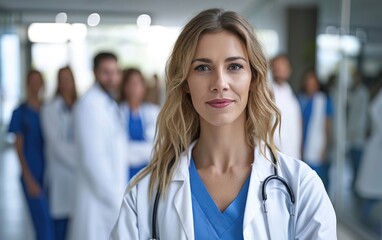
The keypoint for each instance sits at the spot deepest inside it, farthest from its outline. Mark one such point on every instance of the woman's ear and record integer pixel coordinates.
(186, 88)
(251, 85)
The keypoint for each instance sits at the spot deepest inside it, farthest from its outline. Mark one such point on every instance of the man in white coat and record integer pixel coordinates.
(289, 140)
(101, 143)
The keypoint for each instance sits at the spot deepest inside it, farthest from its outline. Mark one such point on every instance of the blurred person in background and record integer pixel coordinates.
(290, 138)
(317, 113)
(331, 90)
(154, 91)
(139, 119)
(25, 124)
(101, 142)
(57, 124)
(358, 101)
(369, 181)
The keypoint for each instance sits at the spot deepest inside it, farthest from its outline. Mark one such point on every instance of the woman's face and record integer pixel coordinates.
(135, 88)
(219, 78)
(66, 82)
(35, 84)
(311, 84)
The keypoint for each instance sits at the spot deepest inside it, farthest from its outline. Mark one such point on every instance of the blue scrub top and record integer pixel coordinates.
(306, 104)
(136, 133)
(209, 222)
(26, 122)
(135, 127)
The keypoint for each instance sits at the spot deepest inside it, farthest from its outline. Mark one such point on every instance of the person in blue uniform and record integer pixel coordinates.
(139, 118)
(25, 124)
(317, 113)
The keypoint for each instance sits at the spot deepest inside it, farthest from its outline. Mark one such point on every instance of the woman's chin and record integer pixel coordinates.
(221, 121)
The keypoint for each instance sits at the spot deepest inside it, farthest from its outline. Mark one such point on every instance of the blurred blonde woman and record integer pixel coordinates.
(214, 149)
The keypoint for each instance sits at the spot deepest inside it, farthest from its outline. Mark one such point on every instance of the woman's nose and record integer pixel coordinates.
(219, 82)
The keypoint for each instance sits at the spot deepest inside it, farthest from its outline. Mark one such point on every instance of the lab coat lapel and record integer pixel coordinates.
(111, 106)
(254, 224)
(182, 198)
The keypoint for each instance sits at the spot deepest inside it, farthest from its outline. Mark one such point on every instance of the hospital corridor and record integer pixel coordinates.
(259, 119)
(15, 221)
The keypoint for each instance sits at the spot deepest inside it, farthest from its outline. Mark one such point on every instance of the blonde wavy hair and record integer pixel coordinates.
(178, 121)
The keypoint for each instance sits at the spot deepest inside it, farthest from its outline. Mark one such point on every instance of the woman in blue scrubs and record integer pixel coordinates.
(140, 119)
(317, 114)
(25, 124)
(213, 147)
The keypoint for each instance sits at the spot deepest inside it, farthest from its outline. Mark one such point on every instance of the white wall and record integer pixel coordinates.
(270, 15)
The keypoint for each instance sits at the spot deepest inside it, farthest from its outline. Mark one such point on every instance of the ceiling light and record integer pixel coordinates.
(49, 32)
(143, 20)
(61, 17)
(94, 19)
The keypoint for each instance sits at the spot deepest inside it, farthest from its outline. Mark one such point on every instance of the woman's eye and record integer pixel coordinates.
(202, 68)
(235, 67)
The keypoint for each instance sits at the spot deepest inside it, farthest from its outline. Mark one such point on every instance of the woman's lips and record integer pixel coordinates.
(220, 103)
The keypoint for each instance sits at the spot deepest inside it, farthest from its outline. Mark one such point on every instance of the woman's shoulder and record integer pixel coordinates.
(138, 187)
(53, 103)
(21, 107)
(295, 170)
(150, 106)
(18, 113)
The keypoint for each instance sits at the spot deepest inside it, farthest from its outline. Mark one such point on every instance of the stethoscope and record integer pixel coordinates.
(274, 176)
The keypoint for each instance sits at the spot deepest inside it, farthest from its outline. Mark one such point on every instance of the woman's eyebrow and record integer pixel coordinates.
(230, 59)
(205, 60)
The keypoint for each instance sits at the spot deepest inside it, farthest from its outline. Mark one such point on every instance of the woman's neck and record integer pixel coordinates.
(34, 102)
(223, 147)
(134, 105)
(68, 99)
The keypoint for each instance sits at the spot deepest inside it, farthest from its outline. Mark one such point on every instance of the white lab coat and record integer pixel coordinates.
(140, 151)
(101, 177)
(316, 133)
(369, 182)
(290, 138)
(61, 156)
(315, 217)
(358, 101)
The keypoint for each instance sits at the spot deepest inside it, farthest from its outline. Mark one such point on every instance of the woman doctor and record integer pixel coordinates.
(211, 157)
(26, 125)
(57, 124)
(139, 119)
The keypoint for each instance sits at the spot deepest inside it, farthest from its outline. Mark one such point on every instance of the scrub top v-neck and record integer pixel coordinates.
(135, 129)
(209, 222)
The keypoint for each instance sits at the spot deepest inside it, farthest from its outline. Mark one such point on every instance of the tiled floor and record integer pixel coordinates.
(344, 234)
(14, 219)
